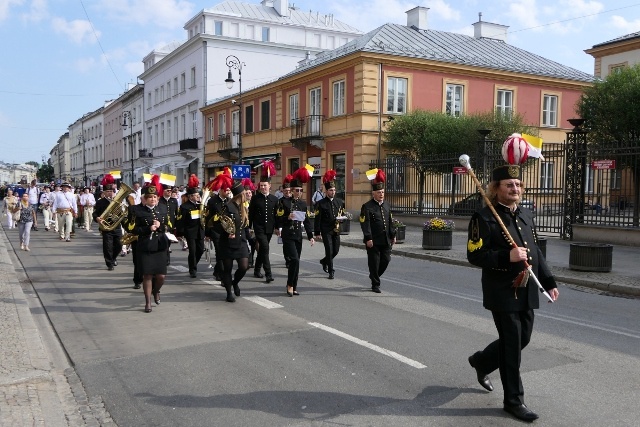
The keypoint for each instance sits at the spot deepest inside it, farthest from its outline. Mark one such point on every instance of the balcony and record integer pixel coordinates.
(189, 144)
(145, 153)
(307, 130)
(228, 146)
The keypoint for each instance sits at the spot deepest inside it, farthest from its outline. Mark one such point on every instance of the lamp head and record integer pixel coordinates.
(229, 80)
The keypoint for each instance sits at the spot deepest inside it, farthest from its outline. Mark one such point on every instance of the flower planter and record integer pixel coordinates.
(401, 233)
(437, 239)
(345, 227)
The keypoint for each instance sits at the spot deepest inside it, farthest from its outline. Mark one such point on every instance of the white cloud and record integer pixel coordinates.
(561, 17)
(38, 11)
(5, 5)
(162, 13)
(626, 27)
(78, 31)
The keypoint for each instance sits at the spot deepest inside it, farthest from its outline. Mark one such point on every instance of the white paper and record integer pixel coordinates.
(171, 237)
(299, 215)
(341, 218)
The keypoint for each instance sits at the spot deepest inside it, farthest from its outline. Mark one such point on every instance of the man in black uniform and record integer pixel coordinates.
(291, 217)
(172, 210)
(262, 217)
(511, 307)
(190, 227)
(328, 209)
(379, 235)
(215, 206)
(111, 245)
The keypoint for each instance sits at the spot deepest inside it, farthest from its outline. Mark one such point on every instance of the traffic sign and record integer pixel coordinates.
(240, 171)
(603, 164)
(459, 170)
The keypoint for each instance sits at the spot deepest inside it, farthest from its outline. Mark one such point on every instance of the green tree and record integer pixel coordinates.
(45, 173)
(32, 163)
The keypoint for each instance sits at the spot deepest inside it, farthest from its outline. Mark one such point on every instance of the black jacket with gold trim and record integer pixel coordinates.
(326, 212)
(488, 247)
(188, 222)
(375, 222)
(140, 221)
(291, 229)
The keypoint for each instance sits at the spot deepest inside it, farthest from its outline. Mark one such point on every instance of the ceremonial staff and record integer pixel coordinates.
(528, 272)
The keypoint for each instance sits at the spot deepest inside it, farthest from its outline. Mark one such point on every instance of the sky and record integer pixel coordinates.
(60, 59)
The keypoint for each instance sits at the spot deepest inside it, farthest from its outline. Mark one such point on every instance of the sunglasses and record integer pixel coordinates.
(298, 190)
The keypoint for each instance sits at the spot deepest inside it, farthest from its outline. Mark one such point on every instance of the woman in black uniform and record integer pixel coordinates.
(150, 224)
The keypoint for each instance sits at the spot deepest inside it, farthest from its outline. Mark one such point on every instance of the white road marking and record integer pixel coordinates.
(370, 346)
(180, 268)
(262, 302)
(212, 282)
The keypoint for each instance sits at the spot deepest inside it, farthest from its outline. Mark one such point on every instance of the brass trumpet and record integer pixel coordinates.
(128, 238)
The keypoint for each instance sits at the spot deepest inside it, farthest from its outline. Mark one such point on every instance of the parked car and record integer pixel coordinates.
(466, 206)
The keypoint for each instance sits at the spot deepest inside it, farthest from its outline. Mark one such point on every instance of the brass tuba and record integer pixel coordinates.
(116, 212)
(204, 212)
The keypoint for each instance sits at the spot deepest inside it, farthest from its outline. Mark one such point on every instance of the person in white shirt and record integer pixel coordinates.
(54, 216)
(88, 201)
(45, 203)
(34, 195)
(137, 193)
(64, 204)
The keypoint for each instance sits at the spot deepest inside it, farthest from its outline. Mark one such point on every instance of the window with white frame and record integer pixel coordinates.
(550, 110)
(183, 82)
(504, 103)
(616, 179)
(175, 86)
(150, 137)
(266, 31)
(338, 98)
(546, 176)
(194, 124)
(210, 130)
(447, 183)
(168, 95)
(222, 124)
(293, 108)
(396, 95)
(161, 93)
(156, 135)
(162, 141)
(193, 77)
(218, 28)
(183, 120)
(169, 135)
(155, 97)
(455, 100)
(177, 129)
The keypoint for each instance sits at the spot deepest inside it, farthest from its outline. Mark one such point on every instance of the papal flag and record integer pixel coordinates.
(147, 177)
(166, 179)
(535, 146)
(115, 174)
(309, 169)
(371, 173)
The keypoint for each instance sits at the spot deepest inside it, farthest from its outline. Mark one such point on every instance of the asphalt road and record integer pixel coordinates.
(336, 355)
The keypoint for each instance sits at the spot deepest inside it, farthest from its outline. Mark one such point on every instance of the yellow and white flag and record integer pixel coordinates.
(535, 146)
(309, 168)
(147, 177)
(166, 179)
(371, 173)
(115, 174)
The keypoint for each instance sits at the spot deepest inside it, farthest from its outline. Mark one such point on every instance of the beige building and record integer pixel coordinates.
(614, 54)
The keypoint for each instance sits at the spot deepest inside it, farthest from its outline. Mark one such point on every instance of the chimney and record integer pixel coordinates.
(417, 17)
(482, 29)
(282, 7)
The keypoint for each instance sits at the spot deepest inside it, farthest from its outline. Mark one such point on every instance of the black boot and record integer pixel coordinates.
(230, 297)
(236, 288)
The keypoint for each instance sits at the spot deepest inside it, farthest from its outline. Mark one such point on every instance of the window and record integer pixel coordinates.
(250, 32)
(338, 162)
(546, 176)
(265, 34)
(193, 77)
(194, 124)
(155, 99)
(454, 100)
(293, 108)
(183, 121)
(161, 142)
(161, 93)
(616, 179)
(222, 124)
(177, 129)
(217, 28)
(235, 128)
(133, 117)
(395, 174)
(169, 140)
(396, 95)
(294, 165)
(447, 183)
(149, 99)
(338, 98)
(150, 137)
(550, 110)
(183, 82)
(168, 96)
(504, 103)
(210, 130)
(155, 137)
(265, 114)
(248, 119)
(175, 86)
(315, 108)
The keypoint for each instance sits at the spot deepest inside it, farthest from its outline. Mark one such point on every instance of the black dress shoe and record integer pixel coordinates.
(236, 289)
(156, 296)
(325, 268)
(483, 379)
(110, 267)
(289, 293)
(115, 262)
(192, 273)
(331, 274)
(521, 412)
(269, 278)
(258, 274)
(137, 286)
(230, 297)
(376, 289)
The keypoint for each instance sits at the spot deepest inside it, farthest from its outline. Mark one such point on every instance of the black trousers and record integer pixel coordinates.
(262, 260)
(378, 258)
(514, 333)
(218, 269)
(291, 249)
(111, 246)
(331, 242)
(137, 275)
(196, 249)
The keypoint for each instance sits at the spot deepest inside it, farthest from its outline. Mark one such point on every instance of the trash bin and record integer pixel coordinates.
(591, 257)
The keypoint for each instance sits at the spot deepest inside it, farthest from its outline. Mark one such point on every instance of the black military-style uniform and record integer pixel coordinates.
(131, 217)
(291, 234)
(512, 308)
(215, 205)
(190, 228)
(172, 211)
(235, 248)
(151, 256)
(111, 245)
(327, 210)
(375, 221)
(262, 219)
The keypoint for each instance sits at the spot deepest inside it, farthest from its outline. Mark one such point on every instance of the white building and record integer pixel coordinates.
(60, 159)
(17, 173)
(86, 138)
(268, 38)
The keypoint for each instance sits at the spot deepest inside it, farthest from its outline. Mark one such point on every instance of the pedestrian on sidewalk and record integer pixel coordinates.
(25, 221)
(9, 205)
(326, 224)
(379, 235)
(511, 302)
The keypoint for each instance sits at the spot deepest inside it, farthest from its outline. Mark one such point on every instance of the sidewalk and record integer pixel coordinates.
(37, 385)
(624, 277)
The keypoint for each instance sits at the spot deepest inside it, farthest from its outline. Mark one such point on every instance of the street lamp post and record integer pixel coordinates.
(234, 62)
(127, 115)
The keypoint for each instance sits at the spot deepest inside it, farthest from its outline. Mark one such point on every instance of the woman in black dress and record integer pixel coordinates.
(150, 223)
(233, 244)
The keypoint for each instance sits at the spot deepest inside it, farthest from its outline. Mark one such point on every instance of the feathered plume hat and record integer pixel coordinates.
(328, 179)
(515, 151)
(108, 182)
(268, 170)
(222, 181)
(153, 187)
(301, 177)
(286, 182)
(377, 180)
(192, 184)
(248, 184)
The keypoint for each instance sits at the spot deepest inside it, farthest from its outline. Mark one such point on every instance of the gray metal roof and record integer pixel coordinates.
(258, 12)
(442, 46)
(619, 39)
